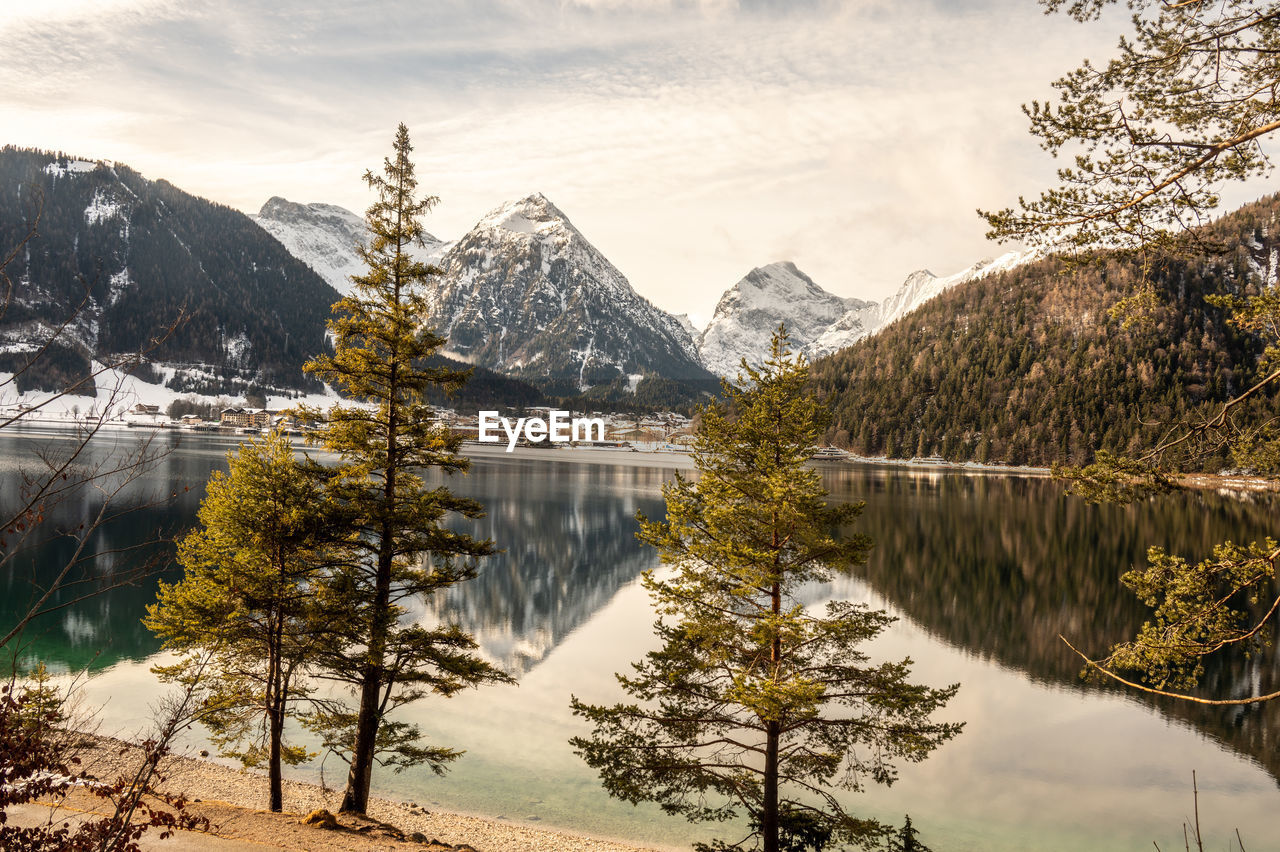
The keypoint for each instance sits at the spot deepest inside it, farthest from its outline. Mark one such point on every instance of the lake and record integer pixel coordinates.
(984, 572)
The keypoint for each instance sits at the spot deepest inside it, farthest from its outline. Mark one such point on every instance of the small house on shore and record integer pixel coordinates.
(253, 418)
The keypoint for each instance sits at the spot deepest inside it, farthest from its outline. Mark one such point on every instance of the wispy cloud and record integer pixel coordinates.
(690, 139)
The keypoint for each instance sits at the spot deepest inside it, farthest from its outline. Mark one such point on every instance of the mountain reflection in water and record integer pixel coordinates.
(567, 532)
(996, 566)
(1002, 566)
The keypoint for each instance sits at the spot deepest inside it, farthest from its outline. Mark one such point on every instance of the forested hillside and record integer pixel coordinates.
(484, 389)
(146, 253)
(1027, 367)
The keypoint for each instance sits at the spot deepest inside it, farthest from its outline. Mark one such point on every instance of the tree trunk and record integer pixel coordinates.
(276, 722)
(277, 686)
(355, 800)
(769, 807)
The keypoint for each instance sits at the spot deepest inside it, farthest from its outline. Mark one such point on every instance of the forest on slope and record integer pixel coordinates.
(124, 258)
(1029, 367)
(148, 255)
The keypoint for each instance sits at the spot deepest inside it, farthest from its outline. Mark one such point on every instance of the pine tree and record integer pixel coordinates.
(907, 839)
(1156, 130)
(755, 705)
(385, 437)
(243, 608)
(1182, 109)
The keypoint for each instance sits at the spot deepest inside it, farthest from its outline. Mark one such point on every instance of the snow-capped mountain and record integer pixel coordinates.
(749, 312)
(324, 236)
(819, 322)
(920, 287)
(121, 259)
(525, 293)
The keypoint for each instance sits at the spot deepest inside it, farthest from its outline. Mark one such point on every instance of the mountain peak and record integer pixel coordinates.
(781, 277)
(749, 312)
(533, 214)
(275, 205)
(526, 293)
(786, 266)
(278, 209)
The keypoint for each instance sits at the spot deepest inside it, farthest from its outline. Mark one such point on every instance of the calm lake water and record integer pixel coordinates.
(984, 572)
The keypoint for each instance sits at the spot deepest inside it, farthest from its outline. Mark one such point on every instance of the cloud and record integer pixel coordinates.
(690, 140)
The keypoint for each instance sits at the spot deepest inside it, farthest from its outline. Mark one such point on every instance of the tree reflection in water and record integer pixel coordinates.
(1001, 566)
(997, 566)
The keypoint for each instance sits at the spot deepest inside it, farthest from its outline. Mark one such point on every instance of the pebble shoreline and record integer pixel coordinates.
(206, 781)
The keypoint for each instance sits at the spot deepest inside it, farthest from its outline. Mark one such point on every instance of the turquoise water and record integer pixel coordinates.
(984, 571)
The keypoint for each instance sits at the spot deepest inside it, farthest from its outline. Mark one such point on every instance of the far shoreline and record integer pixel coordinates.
(474, 449)
(637, 457)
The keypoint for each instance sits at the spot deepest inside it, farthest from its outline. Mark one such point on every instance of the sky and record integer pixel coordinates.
(689, 140)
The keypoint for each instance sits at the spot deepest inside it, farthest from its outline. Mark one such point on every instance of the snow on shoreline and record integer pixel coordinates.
(121, 392)
(118, 392)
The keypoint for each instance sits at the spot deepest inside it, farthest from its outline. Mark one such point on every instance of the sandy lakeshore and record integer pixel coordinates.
(233, 799)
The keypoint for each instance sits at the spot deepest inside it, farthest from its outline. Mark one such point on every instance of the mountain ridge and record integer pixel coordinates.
(325, 236)
(1025, 366)
(818, 322)
(124, 257)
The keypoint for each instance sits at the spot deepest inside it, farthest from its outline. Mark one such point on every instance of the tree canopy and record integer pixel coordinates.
(1154, 132)
(755, 705)
(1180, 110)
(243, 614)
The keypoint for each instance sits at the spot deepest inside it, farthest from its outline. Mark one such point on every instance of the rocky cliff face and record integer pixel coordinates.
(525, 293)
(325, 236)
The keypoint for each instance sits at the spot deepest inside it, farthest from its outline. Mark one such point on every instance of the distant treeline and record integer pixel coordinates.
(1027, 367)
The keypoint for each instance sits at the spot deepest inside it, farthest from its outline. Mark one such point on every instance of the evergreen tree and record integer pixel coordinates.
(1156, 130)
(381, 359)
(1180, 110)
(243, 608)
(907, 839)
(755, 705)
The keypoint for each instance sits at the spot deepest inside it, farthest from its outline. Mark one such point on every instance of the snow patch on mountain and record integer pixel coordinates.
(104, 206)
(62, 168)
(117, 284)
(325, 236)
(238, 348)
(749, 312)
(118, 391)
(920, 287)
